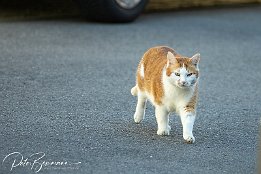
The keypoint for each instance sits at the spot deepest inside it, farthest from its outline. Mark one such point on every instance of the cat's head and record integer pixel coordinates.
(182, 71)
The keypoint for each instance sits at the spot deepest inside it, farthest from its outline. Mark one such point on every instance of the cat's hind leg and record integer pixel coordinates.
(134, 90)
(141, 106)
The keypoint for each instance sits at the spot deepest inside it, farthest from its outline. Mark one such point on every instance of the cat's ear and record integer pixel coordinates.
(171, 59)
(195, 59)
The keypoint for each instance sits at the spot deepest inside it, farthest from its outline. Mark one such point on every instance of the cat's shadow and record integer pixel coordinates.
(147, 131)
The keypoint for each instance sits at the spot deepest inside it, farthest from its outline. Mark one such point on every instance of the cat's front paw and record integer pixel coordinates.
(138, 117)
(189, 139)
(164, 132)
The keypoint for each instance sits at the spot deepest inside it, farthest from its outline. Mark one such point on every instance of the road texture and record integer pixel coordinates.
(66, 105)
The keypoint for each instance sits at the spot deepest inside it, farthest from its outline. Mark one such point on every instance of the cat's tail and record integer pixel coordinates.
(134, 91)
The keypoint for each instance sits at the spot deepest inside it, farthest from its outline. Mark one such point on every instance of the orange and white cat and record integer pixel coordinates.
(170, 82)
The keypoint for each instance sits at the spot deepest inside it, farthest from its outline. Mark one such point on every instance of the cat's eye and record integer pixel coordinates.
(189, 74)
(177, 74)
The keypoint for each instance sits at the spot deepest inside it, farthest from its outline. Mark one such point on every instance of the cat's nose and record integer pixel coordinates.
(183, 82)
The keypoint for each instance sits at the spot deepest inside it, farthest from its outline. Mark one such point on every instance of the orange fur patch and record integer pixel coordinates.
(191, 106)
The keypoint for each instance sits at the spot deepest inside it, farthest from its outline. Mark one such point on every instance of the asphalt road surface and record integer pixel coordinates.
(66, 107)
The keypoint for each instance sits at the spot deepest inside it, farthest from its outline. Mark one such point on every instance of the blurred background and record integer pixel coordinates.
(61, 8)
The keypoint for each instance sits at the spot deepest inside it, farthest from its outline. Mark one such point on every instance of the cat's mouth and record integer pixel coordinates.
(183, 85)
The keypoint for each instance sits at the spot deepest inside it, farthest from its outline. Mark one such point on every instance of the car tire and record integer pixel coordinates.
(112, 10)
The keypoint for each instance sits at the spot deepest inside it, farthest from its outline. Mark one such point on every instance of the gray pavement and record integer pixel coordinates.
(65, 93)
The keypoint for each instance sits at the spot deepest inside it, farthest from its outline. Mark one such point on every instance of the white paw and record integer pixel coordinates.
(189, 139)
(138, 118)
(164, 131)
